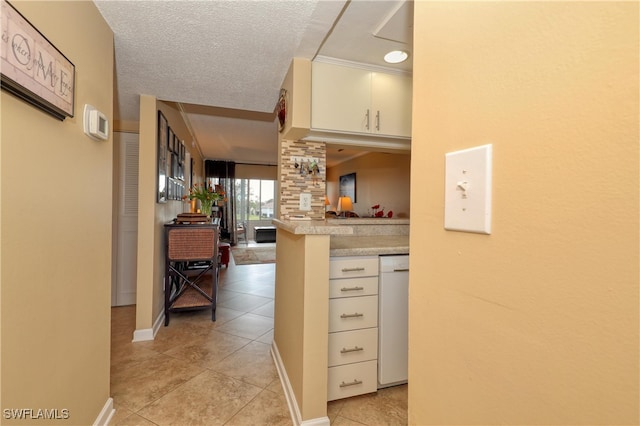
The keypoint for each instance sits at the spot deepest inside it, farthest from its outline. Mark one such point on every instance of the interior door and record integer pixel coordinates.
(127, 220)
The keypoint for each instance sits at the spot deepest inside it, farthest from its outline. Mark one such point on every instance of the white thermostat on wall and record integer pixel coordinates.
(96, 125)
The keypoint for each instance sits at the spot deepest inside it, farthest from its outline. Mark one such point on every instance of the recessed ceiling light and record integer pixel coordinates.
(396, 56)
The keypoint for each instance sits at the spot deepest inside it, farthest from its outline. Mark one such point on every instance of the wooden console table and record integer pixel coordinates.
(191, 268)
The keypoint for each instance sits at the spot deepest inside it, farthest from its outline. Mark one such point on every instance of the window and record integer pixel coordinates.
(255, 199)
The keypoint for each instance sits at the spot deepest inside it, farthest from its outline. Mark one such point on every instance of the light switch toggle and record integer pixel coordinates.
(463, 186)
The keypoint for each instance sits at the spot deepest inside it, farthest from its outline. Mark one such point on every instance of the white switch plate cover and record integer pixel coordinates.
(467, 204)
(305, 201)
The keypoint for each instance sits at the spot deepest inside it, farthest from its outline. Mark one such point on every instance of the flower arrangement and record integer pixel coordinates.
(207, 196)
(379, 212)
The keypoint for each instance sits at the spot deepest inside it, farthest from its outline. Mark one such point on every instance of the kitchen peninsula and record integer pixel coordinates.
(301, 326)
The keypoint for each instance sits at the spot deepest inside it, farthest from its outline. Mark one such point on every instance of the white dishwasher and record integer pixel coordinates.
(393, 320)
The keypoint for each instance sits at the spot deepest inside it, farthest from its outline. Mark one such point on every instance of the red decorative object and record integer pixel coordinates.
(377, 211)
(281, 109)
(224, 248)
(390, 214)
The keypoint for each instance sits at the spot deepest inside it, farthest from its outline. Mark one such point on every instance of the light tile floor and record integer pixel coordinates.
(200, 372)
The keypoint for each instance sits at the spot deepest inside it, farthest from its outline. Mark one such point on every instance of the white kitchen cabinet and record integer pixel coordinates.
(353, 287)
(353, 326)
(357, 100)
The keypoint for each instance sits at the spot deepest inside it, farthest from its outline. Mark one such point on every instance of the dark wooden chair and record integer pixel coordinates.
(241, 232)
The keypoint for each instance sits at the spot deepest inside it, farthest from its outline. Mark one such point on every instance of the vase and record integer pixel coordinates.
(205, 207)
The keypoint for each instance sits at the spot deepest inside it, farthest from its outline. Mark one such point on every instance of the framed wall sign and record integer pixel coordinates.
(32, 68)
(348, 186)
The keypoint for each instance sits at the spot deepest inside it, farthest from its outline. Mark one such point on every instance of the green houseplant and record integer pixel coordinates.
(206, 195)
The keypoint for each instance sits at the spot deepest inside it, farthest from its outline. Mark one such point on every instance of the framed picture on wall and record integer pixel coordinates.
(348, 186)
(33, 69)
(163, 137)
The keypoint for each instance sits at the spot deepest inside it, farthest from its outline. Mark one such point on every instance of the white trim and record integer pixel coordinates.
(377, 142)
(368, 67)
(106, 414)
(320, 421)
(294, 410)
(146, 334)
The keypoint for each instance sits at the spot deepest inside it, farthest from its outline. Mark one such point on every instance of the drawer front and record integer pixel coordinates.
(353, 287)
(347, 347)
(352, 379)
(353, 266)
(352, 313)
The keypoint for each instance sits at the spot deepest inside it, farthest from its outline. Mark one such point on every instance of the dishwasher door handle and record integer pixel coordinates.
(401, 270)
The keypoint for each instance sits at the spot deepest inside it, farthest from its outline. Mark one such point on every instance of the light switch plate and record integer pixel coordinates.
(305, 201)
(467, 204)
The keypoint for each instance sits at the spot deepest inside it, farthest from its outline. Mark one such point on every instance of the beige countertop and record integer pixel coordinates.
(368, 221)
(345, 242)
(368, 245)
(311, 227)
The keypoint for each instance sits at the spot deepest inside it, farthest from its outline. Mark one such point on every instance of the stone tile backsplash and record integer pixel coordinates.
(296, 180)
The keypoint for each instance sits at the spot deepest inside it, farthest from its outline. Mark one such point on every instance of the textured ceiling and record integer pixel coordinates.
(222, 62)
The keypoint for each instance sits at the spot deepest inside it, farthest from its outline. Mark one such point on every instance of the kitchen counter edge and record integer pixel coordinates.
(311, 227)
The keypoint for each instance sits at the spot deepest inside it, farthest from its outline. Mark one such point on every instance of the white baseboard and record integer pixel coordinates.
(294, 410)
(320, 421)
(149, 333)
(106, 414)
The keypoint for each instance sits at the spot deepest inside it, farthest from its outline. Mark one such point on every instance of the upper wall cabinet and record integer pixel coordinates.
(357, 100)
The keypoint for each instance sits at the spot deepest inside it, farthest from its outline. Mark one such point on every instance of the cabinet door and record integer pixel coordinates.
(340, 98)
(352, 313)
(353, 267)
(391, 104)
(347, 347)
(350, 287)
(352, 379)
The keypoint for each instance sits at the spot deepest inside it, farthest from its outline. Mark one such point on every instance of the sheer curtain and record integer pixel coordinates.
(224, 172)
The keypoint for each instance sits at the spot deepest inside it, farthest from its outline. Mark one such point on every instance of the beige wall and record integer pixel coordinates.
(301, 328)
(56, 231)
(152, 215)
(538, 322)
(381, 178)
(255, 171)
(297, 83)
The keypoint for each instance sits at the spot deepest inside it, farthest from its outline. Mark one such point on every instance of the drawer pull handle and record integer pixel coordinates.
(355, 382)
(354, 349)
(352, 288)
(356, 315)
(401, 270)
(360, 268)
